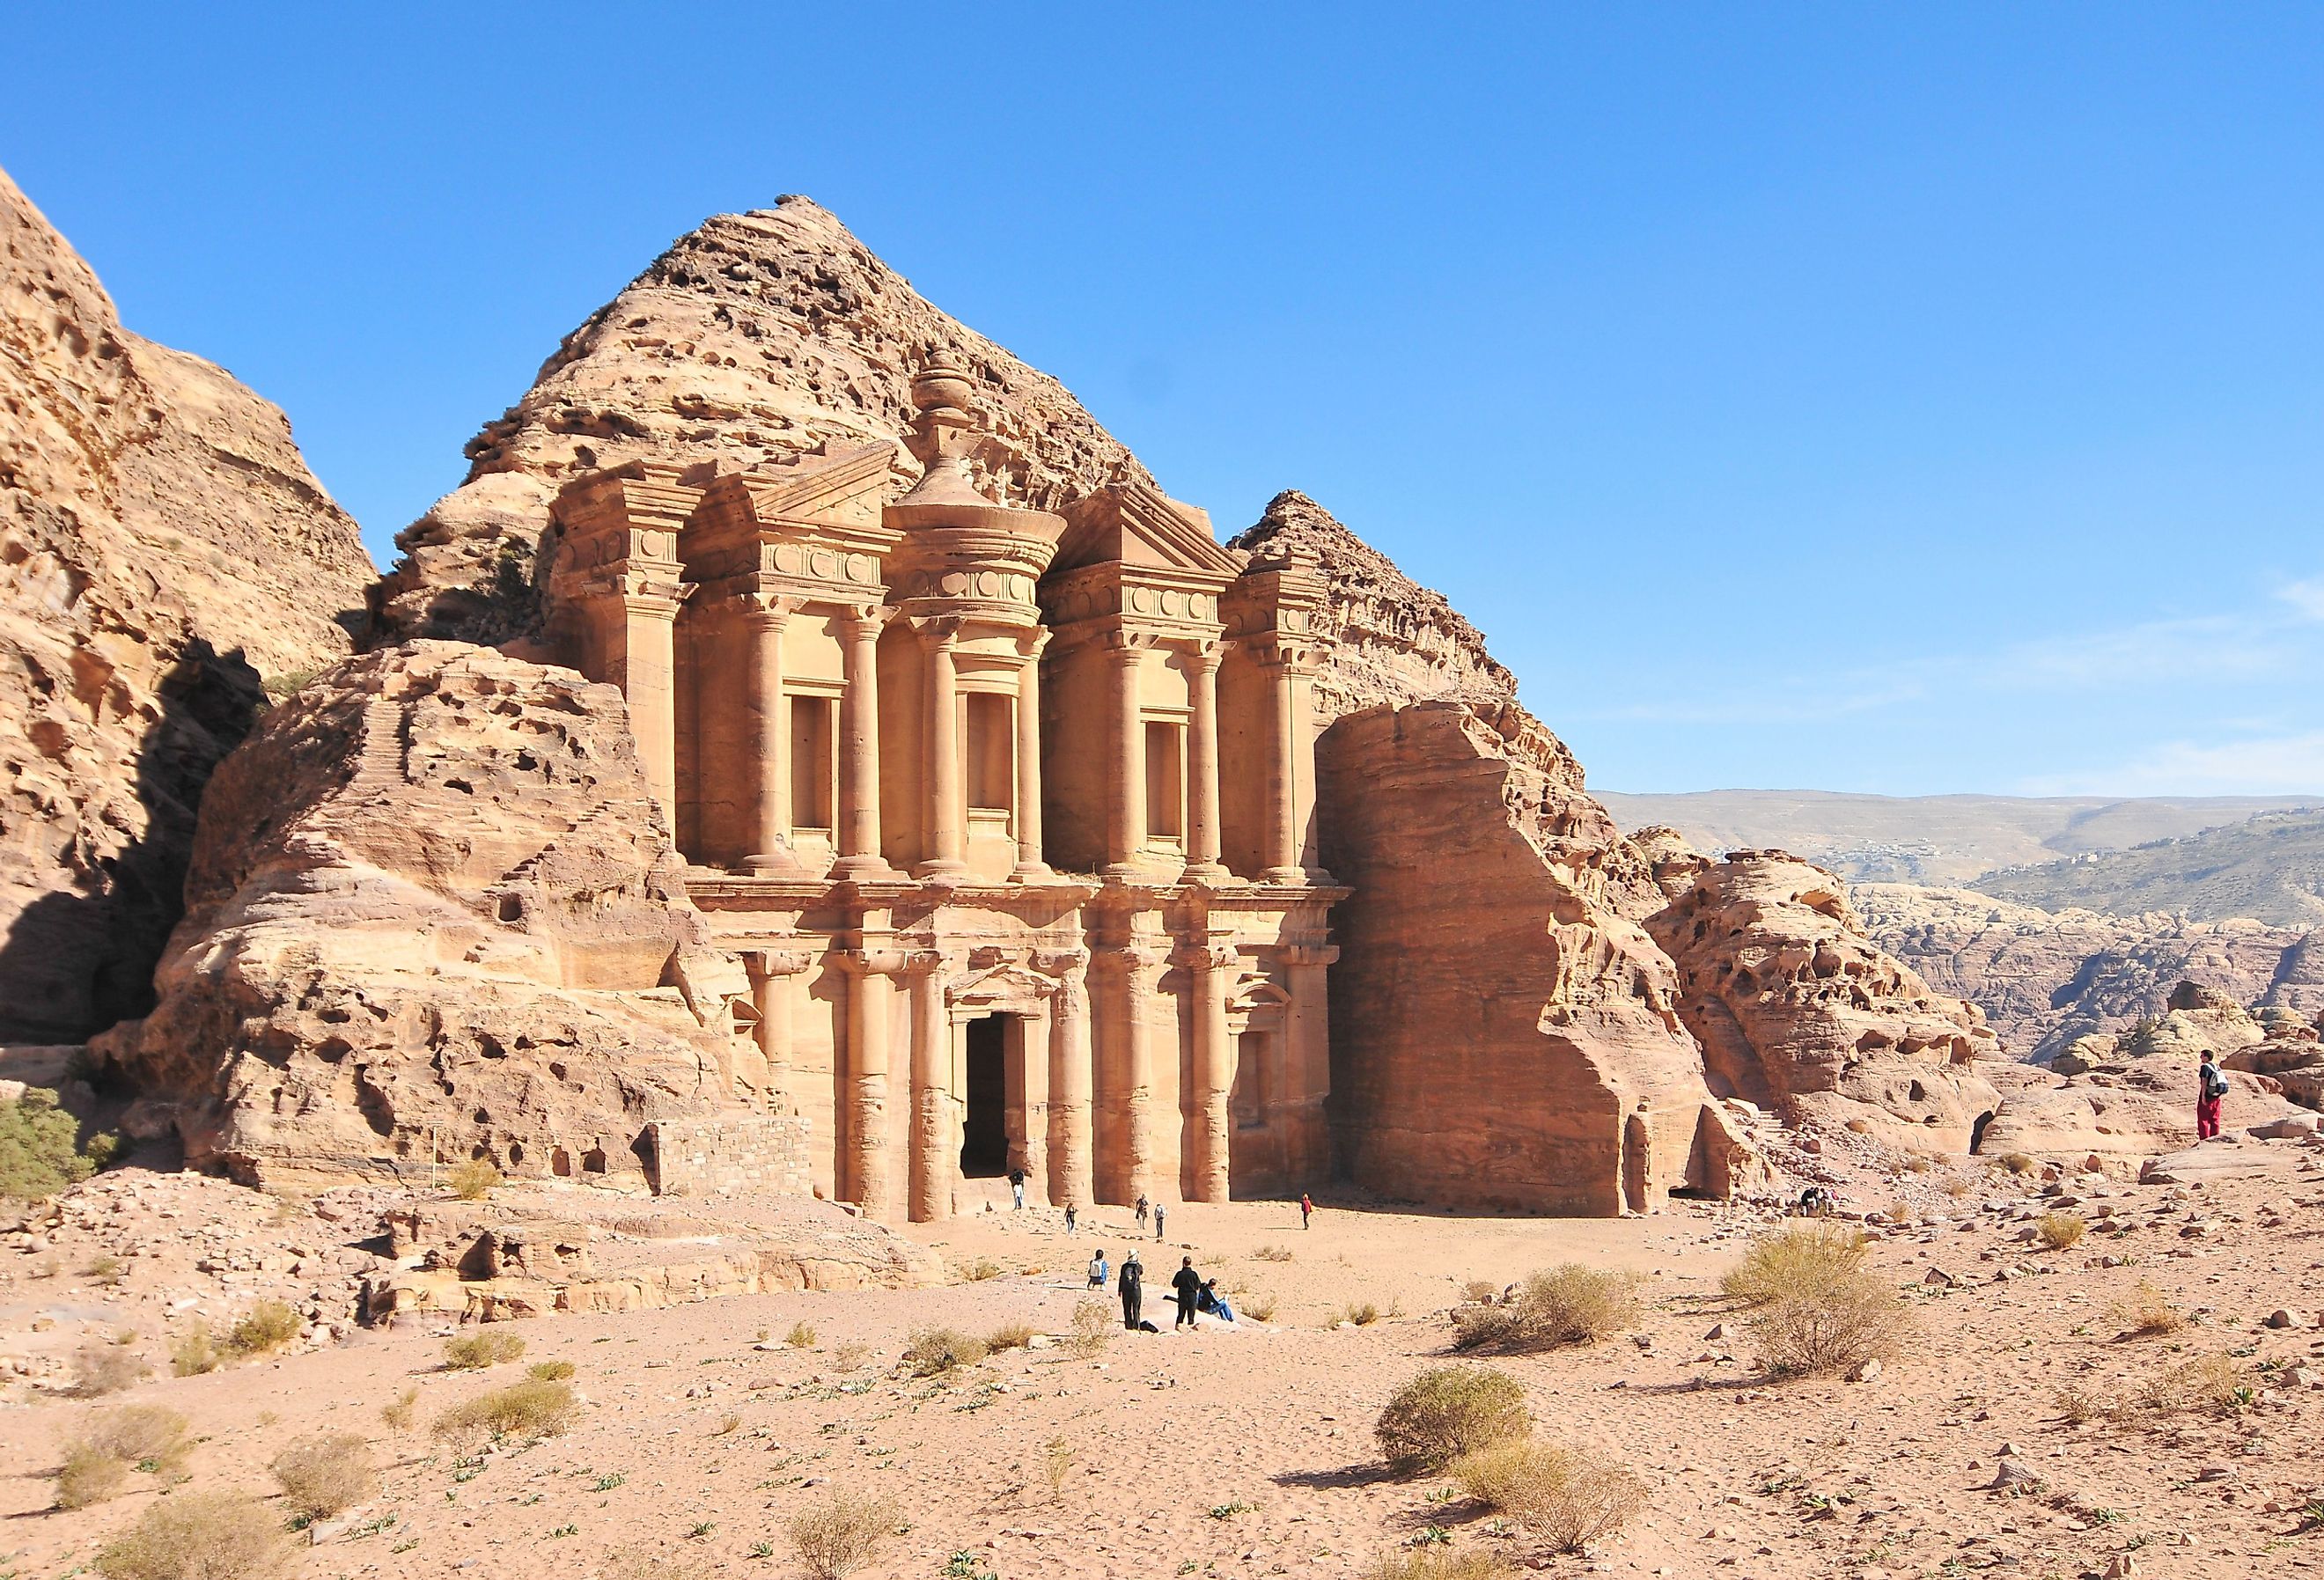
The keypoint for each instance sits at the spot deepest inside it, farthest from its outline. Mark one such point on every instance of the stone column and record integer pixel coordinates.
(1070, 1177)
(859, 751)
(1211, 965)
(649, 684)
(1305, 832)
(869, 1173)
(1280, 851)
(1137, 1167)
(1125, 822)
(935, 1154)
(1203, 768)
(1307, 1060)
(1029, 1106)
(772, 971)
(769, 834)
(947, 855)
(1030, 868)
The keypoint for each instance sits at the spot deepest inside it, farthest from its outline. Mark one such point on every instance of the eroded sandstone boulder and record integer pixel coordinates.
(165, 559)
(757, 337)
(1797, 1011)
(433, 913)
(1501, 1036)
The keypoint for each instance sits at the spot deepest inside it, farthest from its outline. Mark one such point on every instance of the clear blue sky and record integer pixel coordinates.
(1869, 397)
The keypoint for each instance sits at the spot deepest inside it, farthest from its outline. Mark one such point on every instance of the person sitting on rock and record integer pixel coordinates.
(2210, 1088)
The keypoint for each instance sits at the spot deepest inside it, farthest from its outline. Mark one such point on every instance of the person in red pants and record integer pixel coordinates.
(2210, 1086)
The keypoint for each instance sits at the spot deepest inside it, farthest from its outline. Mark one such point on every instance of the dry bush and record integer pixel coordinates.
(322, 1475)
(1567, 1305)
(1448, 1411)
(101, 1369)
(550, 1371)
(1009, 1335)
(1437, 1563)
(640, 1562)
(2216, 1385)
(1363, 1314)
(1272, 1253)
(473, 1180)
(89, 1476)
(840, 1534)
(1092, 1328)
(1481, 1291)
(198, 1535)
(1058, 1458)
(851, 1354)
(2019, 1163)
(262, 1330)
(2078, 1405)
(1258, 1305)
(1831, 1328)
(2145, 1311)
(982, 1269)
(146, 1435)
(800, 1338)
(2060, 1230)
(1792, 1260)
(1570, 1498)
(476, 1351)
(937, 1350)
(399, 1414)
(521, 1409)
(728, 1424)
(193, 1351)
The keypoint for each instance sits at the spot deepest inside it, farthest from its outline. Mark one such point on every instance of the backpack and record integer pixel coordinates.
(2215, 1084)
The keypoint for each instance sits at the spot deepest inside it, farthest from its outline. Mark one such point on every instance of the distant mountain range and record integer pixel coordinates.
(1955, 841)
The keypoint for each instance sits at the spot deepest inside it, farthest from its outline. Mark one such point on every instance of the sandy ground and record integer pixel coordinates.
(1250, 1453)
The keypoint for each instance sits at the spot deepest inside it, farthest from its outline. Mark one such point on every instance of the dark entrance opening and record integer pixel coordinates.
(984, 1137)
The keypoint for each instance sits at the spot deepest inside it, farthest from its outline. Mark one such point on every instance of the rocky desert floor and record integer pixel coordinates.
(1250, 1452)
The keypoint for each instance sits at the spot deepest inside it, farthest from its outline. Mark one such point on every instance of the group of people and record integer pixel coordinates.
(1146, 1208)
(1194, 1293)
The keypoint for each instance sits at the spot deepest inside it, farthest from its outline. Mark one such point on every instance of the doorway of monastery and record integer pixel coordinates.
(984, 1133)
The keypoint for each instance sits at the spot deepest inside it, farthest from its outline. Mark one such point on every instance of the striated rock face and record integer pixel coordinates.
(163, 553)
(433, 912)
(758, 338)
(2045, 978)
(1797, 1011)
(1502, 1038)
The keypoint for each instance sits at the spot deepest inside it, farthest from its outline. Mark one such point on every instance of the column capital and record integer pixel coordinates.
(771, 608)
(859, 619)
(872, 962)
(1030, 644)
(1308, 954)
(1060, 963)
(1127, 647)
(1205, 954)
(1298, 654)
(1203, 657)
(936, 630)
(786, 961)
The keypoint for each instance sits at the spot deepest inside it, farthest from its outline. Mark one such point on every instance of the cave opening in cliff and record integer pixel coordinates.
(984, 1134)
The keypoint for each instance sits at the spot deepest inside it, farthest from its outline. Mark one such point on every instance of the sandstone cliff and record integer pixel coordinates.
(756, 337)
(433, 913)
(2045, 978)
(164, 552)
(1500, 1037)
(1797, 1011)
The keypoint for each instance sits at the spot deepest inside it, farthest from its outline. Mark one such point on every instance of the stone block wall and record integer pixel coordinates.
(729, 1152)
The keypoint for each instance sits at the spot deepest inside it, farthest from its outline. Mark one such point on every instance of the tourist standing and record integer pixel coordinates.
(1143, 1207)
(1307, 1210)
(1132, 1285)
(1097, 1270)
(1069, 1217)
(1157, 1220)
(1188, 1283)
(1017, 1186)
(2211, 1087)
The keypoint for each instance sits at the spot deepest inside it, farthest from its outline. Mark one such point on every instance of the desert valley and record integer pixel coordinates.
(610, 1048)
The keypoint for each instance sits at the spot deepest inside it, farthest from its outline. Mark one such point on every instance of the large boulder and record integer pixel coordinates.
(1797, 1011)
(166, 558)
(1501, 1036)
(433, 914)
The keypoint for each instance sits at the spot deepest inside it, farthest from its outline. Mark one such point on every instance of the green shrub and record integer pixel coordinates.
(1009, 1335)
(37, 1156)
(840, 1534)
(262, 1330)
(522, 1409)
(936, 1350)
(1571, 1498)
(1830, 1327)
(193, 1351)
(473, 1180)
(550, 1371)
(1448, 1411)
(146, 1435)
(1567, 1305)
(476, 1351)
(800, 1338)
(1804, 1256)
(89, 1476)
